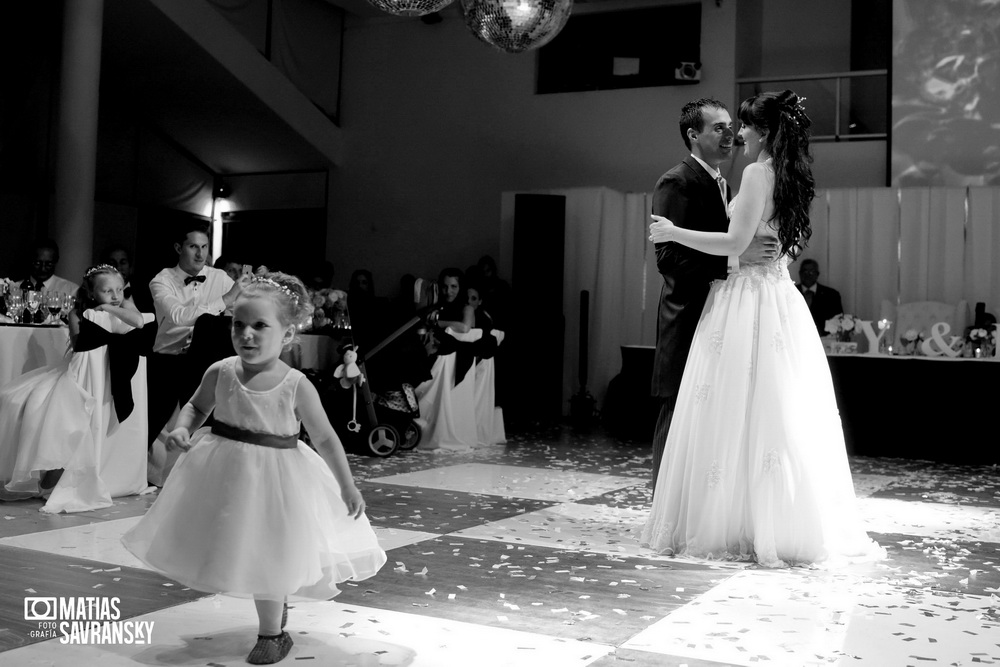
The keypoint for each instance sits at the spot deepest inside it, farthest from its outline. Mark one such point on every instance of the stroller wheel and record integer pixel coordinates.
(383, 441)
(411, 436)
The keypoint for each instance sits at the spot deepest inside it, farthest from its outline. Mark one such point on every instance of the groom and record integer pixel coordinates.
(693, 195)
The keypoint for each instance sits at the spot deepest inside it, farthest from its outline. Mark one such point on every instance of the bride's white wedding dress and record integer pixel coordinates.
(755, 466)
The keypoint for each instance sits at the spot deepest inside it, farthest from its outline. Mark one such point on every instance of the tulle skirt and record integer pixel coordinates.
(755, 466)
(248, 520)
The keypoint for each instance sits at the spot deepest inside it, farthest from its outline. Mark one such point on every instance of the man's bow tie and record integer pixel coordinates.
(193, 279)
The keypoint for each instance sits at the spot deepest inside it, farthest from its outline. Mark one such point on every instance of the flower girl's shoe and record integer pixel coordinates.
(269, 650)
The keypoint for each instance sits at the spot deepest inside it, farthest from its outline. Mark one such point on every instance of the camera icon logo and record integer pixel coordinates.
(40, 609)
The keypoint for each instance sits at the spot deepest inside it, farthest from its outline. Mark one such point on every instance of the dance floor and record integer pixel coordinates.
(525, 555)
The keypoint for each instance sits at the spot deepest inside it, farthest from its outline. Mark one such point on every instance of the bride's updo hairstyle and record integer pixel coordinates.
(287, 291)
(783, 120)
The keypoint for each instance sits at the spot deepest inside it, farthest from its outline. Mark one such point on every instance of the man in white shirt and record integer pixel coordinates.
(42, 271)
(182, 294)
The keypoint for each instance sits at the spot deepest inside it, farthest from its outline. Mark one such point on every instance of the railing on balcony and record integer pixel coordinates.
(843, 106)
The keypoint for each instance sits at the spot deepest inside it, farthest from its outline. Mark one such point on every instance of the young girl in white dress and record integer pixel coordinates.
(55, 421)
(249, 510)
(755, 466)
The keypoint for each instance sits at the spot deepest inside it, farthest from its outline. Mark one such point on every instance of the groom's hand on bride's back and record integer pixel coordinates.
(762, 249)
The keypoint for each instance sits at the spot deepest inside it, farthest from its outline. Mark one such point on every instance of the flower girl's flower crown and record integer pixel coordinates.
(276, 285)
(100, 268)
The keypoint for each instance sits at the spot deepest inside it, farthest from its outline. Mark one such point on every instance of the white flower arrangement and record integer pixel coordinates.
(911, 340)
(329, 310)
(842, 326)
(978, 335)
(981, 342)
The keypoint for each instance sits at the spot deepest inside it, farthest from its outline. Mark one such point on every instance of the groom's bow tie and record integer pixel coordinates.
(193, 279)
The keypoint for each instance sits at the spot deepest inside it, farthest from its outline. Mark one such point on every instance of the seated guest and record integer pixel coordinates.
(404, 306)
(485, 347)
(60, 436)
(138, 294)
(454, 311)
(369, 316)
(824, 302)
(447, 400)
(182, 294)
(494, 290)
(318, 275)
(489, 417)
(232, 268)
(482, 319)
(41, 273)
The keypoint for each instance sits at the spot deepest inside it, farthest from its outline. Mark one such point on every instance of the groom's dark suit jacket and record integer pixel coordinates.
(690, 198)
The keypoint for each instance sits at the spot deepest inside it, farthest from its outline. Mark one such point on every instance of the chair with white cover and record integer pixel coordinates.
(65, 417)
(489, 417)
(922, 315)
(447, 410)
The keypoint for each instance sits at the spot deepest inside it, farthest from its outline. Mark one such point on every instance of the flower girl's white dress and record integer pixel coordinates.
(253, 520)
(755, 466)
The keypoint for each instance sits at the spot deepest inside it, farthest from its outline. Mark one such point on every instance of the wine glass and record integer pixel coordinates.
(68, 304)
(33, 300)
(54, 302)
(15, 306)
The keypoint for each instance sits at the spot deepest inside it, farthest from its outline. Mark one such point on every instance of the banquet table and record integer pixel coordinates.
(24, 348)
(933, 408)
(315, 351)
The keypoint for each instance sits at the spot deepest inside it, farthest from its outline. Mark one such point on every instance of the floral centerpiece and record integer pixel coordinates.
(329, 310)
(911, 340)
(842, 327)
(981, 342)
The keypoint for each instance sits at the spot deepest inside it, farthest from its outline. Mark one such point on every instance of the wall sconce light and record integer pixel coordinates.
(221, 189)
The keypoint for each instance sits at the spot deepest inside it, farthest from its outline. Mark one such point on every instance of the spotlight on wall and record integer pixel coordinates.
(221, 189)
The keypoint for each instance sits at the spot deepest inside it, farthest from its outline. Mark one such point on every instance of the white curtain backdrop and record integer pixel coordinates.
(902, 245)
(606, 253)
(982, 249)
(855, 241)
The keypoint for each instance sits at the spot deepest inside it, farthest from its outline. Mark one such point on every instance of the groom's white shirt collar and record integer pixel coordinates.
(712, 171)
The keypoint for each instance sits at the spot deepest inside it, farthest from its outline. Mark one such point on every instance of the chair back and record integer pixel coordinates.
(922, 315)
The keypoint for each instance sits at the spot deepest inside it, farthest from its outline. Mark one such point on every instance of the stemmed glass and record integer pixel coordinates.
(15, 306)
(33, 300)
(68, 304)
(54, 302)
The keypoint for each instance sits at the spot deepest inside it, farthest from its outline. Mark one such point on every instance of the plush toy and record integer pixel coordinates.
(348, 372)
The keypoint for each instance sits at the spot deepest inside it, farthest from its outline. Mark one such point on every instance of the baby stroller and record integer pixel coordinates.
(385, 422)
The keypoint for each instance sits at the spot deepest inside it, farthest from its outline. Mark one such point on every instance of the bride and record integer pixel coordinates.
(755, 466)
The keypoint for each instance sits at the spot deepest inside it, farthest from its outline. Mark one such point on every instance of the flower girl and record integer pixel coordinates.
(249, 510)
(55, 422)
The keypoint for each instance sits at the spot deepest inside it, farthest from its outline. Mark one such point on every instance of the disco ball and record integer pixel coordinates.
(410, 7)
(516, 25)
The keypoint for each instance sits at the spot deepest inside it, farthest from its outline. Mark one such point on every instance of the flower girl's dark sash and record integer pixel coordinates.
(124, 351)
(255, 438)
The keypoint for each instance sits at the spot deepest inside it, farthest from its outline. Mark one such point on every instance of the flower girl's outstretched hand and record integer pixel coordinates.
(661, 229)
(352, 498)
(179, 438)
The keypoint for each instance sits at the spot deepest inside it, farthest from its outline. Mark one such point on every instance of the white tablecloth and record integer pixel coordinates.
(25, 348)
(317, 351)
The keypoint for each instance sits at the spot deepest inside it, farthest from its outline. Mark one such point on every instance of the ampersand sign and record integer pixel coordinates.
(936, 345)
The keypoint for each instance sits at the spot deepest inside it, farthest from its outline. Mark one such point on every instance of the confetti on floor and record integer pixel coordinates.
(525, 554)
